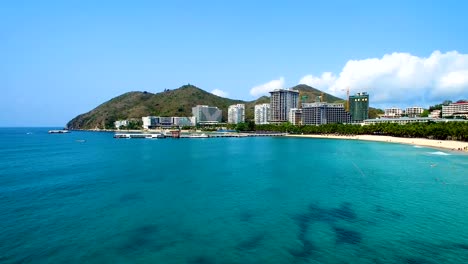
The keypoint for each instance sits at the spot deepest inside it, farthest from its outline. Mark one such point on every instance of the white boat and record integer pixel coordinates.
(59, 131)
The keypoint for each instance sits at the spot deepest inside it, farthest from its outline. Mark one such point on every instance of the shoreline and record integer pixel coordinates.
(452, 145)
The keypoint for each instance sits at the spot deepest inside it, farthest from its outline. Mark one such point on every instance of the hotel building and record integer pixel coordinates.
(207, 114)
(415, 111)
(324, 113)
(455, 110)
(281, 102)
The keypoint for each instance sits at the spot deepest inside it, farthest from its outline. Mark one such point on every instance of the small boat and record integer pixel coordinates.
(59, 131)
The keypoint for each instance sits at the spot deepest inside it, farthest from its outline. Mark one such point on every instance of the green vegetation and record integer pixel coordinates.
(432, 130)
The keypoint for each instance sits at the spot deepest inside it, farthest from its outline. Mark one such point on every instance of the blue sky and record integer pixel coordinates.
(63, 58)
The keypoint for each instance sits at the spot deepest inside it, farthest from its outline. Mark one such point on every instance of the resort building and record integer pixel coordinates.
(435, 114)
(455, 110)
(295, 116)
(150, 122)
(393, 112)
(406, 120)
(415, 111)
(359, 107)
(262, 114)
(207, 114)
(324, 113)
(281, 102)
(183, 121)
(236, 114)
(120, 123)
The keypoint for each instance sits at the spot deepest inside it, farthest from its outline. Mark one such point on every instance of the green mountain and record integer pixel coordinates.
(178, 102)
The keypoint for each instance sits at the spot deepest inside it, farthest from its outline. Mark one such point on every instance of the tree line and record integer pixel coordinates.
(431, 130)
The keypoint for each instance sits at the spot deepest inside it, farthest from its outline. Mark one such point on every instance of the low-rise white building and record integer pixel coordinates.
(435, 114)
(455, 109)
(262, 114)
(120, 123)
(414, 111)
(393, 112)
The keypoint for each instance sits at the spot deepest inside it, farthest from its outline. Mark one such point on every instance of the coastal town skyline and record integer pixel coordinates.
(64, 59)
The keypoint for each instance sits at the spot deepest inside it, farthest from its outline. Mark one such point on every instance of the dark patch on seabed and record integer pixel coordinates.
(332, 216)
(251, 242)
(202, 260)
(414, 260)
(305, 252)
(246, 216)
(345, 236)
(344, 212)
(130, 197)
(143, 239)
(461, 246)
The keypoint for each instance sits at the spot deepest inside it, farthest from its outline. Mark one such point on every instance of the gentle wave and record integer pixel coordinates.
(439, 153)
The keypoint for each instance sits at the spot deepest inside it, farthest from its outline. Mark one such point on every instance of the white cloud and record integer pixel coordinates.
(400, 78)
(220, 93)
(263, 89)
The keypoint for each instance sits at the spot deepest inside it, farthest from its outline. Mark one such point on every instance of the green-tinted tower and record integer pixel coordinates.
(359, 107)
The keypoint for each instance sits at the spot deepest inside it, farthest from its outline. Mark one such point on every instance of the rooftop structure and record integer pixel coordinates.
(281, 102)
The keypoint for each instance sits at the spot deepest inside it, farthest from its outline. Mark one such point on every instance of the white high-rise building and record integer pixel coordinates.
(262, 114)
(236, 114)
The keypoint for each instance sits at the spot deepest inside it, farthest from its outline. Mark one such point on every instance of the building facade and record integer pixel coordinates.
(414, 111)
(455, 110)
(407, 120)
(236, 114)
(324, 113)
(359, 107)
(435, 113)
(295, 116)
(150, 122)
(262, 114)
(183, 121)
(207, 114)
(281, 102)
(393, 112)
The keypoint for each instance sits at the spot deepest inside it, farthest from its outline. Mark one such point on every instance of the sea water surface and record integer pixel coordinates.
(86, 197)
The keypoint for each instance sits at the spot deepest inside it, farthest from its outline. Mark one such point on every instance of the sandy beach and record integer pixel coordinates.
(445, 144)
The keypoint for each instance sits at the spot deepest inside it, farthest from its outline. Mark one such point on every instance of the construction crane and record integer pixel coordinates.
(347, 98)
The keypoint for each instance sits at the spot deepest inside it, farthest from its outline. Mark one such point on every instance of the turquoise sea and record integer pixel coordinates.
(86, 197)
